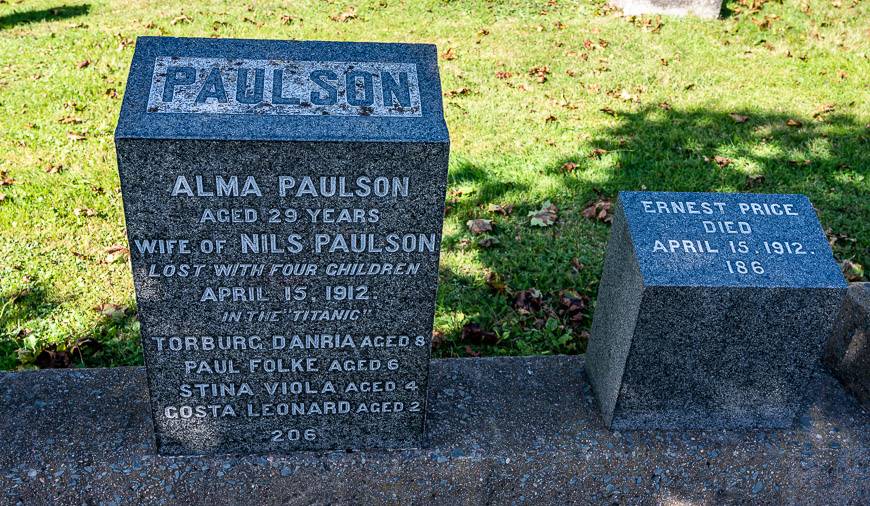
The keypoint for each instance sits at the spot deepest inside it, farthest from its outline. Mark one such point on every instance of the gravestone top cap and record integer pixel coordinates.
(729, 240)
(276, 90)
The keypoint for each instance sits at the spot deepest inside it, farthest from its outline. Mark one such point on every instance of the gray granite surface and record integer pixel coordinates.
(712, 310)
(500, 431)
(709, 9)
(284, 204)
(848, 350)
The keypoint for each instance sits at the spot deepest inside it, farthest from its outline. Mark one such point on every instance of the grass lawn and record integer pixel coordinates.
(560, 101)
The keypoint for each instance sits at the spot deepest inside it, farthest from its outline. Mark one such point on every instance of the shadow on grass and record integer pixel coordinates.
(36, 16)
(824, 156)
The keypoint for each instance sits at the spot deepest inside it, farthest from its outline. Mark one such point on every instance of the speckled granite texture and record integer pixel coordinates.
(680, 342)
(709, 9)
(500, 431)
(848, 350)
(284, 204)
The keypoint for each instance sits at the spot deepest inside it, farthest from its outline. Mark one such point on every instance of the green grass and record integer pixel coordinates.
(510, 140)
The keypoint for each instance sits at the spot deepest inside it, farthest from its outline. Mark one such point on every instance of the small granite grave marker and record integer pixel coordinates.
(712, 310)
(284, 203)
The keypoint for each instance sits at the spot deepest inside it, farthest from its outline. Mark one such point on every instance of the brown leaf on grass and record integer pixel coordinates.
(2, 197)
(722, 161)
(599, 210)
(111, 93)
(739, 118)
(495, 283)
(5, 180)
(834, 238)
(52, 358)
(457, 92)
(663, 62)
(182, 19)
(577, 265)
(528, 301)
(754, 180)
(115, 253)
(437, 339)
(569, 167)
(449, 54)
(479, 226)
(824, 109)
(853, 271)
(572, 306)
(69, 120)
(73, 136)
(665, 106)
(487, 241)
(797, 163)
(470, 352)
(545, 216)
(540, 73)
(83, 64)
(113, 311)
(473, 333)
(793, 123)
(597, 153)
(503, 210)
(84, 211)
(348, 14)
(483, 32)
(503, 74)
(53, 168)
(550, 118)
(608, 110)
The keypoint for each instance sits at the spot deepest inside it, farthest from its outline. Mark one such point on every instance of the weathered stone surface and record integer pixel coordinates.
(712, 310)
(709, 9)
(848, 350)
(284, 203)
(499, 431)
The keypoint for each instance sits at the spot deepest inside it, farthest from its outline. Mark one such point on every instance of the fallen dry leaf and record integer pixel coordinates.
(572, 306)
(73, 136)
(457, 92)
(184, 18)
(449, 54)
(739, 118)
(5, 180)
(473, 333)
(479, 226)
(540, 73)
(665, 106)
(608, 110)
(754, 180)
(545, 216)
(793, 123)
(115, 253)
(83, 64)
(722, 161)
(597, 153)
(344, 16)
(69, 120)
(528, 301)
(569, 166)
(853, 271)
(495, 283)
(113, 311)
(53, 168)
(84, 211)
(599, 210)
(503, 210)
(577, 265)
(824, 109)
(503, 74)
(487, 241)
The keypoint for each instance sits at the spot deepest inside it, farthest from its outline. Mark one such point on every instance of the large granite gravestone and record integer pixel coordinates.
(284, 203)
(712, 310)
